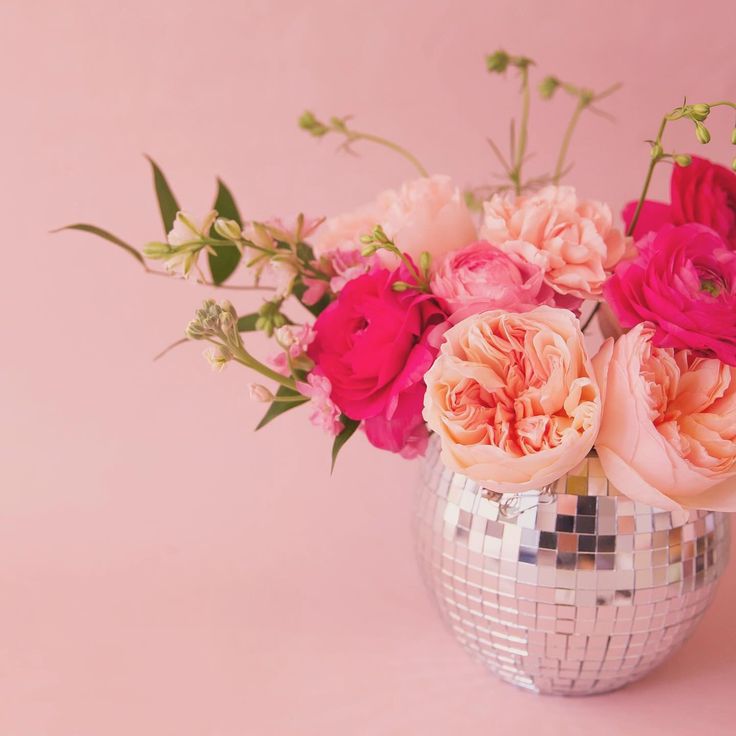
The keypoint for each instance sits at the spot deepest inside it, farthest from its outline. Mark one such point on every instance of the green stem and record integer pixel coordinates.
(410, 157)
(243, 357)
(560, 166)
(648, 179)
(520, 152)
(590, 317)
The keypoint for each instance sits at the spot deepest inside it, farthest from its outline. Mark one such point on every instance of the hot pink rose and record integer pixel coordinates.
(703, 192)
(481, 277)
(668, 433)
(573, 241)
(684, 282)
(374, 345)
(427, 214)
(513, 398)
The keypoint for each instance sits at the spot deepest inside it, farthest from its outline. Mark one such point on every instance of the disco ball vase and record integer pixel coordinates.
(570, 590)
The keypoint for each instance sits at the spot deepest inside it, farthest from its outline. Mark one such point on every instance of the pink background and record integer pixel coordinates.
(163, 570)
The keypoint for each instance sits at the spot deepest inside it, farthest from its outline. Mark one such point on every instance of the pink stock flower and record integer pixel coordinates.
(573, 241)
(668, 433)
(295, 340)
(426, 214)
(481, 277)
(513, 398)
(324, 414)
(703, 192)
(343, 266)
(374, 344)
(684, 282)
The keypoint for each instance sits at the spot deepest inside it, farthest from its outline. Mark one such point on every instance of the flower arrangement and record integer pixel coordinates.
(430, 309)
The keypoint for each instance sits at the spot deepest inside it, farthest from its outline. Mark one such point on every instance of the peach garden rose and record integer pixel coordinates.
(668, 434)
(514, 398)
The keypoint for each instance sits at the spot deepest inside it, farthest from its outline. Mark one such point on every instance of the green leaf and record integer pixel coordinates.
(85, 228)
(349, 427)
(247, 323)
(305, 252)
(225, 259)
(167, 204)
(277, 408)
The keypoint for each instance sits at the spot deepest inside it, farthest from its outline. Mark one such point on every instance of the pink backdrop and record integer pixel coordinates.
(164, 571)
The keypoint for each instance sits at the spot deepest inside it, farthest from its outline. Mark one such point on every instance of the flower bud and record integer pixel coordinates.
(683, 159)
(733, 164)
(309, 122)
(425, 261)
(259, 392)
(733, 136)
(400, 286)
(548, 86)
(497, 63)
(228, 229)
(656, 151)
(157, 250)
(701, 132)
(700, 111)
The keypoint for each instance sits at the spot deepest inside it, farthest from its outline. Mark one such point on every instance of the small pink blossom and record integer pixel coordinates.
(294, 339)
(343, 265)
(324, 414)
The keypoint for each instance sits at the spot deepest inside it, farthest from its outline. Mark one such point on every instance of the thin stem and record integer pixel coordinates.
(592, 314)
(231, 287)
(560, 166)
(243, 357)
(520, 148)
(410, 157)
(648, 179)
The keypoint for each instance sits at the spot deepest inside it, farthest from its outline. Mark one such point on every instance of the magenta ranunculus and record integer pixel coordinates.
(375, 344)
(481, 277)
(703, 192)
(683, 282)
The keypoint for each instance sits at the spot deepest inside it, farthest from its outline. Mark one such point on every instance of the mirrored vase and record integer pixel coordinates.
(570, 590)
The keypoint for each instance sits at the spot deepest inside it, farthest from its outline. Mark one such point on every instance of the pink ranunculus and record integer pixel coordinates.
(668, 433)
(513, 398)
(481, 277)
(374, 344)
(427, 214)
(324, 414)
(703, 192)
(573, 241)
(684, 282)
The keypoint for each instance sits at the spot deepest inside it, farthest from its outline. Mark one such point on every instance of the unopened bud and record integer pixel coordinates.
(733, 136)
(700, 111)
(701, 132)
(368, 250)
(733, 164)
(656, 151)
(498, 62)
(683, 159)
(309, 122)
(157, 250)
(228, 229)
(259, 392)
(548, 86)
(425, 260)
(400, 286)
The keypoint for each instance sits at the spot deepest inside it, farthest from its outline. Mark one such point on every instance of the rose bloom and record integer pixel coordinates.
(513, 398)
(703, 192)
(481, 277)
(374, 345)
(684, 282)
(427, 214)
(668, 433)
(573, 241)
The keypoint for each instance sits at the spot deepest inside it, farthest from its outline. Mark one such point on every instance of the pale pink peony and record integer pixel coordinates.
(427, 214)
(513, 398)
(324, 414)
(668, 433)
(481, 277)
(573, 241)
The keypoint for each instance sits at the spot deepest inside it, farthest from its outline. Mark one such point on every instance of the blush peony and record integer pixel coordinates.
(573, 241)
(684, 282)
(374, 345)
(427, 214)
(481, 277)
(513, 398)
(703, 192)
(668, 433)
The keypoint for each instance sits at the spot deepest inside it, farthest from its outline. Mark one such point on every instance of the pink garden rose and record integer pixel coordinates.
(427, 214)
(374, 344)
(513, 398)
(481, 277)
(703, 192)
(684, 282)
(573, 241)
(668, 433)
